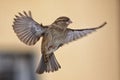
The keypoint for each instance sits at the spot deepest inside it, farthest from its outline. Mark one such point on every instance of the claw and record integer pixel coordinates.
(46, 58)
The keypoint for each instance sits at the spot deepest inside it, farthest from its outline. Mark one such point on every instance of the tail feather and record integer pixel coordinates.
(57, 66)
(50, 66)
(42, 66)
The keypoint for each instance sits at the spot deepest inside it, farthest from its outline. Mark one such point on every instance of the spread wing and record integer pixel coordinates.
(27, 30)
(72, 34)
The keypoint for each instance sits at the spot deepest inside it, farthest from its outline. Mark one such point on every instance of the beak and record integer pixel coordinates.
(69, 22)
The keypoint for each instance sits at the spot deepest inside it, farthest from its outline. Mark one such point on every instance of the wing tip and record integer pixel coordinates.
(102, 25)
(24, 14)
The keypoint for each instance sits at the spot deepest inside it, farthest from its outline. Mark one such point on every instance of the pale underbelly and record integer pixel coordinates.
(55, 45)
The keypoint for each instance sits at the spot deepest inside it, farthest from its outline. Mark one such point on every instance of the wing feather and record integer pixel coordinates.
(27, 29)
(74, 34)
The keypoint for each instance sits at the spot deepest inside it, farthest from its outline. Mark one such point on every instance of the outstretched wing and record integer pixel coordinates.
(27, 30)
(72, 34)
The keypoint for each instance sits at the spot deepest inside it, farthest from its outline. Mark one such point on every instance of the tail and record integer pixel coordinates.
(50, 66)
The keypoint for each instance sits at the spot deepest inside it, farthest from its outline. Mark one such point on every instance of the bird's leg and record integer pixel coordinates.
(46, 58)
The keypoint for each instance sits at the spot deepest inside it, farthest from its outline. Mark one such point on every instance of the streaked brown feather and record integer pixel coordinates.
(27, 30)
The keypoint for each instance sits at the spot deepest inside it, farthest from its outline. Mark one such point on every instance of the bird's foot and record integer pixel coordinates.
(46, 58)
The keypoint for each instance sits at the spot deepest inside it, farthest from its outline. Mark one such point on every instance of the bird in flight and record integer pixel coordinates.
(54, 36)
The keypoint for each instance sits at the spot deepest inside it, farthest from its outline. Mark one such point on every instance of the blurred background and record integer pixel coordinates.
(95, 57)
(17, 66)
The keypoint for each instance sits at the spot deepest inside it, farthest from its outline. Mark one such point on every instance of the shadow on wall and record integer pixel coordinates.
(17, 66)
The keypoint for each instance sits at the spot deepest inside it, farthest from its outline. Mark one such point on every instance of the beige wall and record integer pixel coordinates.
(95, 57)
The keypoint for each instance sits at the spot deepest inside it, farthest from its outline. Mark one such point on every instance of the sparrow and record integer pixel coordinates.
(53, 36)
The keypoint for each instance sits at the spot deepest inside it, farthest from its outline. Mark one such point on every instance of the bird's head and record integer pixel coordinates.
(62, 22)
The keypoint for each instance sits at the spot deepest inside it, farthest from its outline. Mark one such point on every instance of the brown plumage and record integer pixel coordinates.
(54, 36)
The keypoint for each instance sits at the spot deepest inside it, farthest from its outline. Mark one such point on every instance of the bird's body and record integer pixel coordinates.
(52, 40)
(54, 36)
